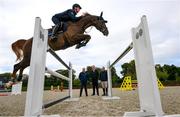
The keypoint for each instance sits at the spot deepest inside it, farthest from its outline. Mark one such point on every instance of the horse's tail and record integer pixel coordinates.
(17, 48)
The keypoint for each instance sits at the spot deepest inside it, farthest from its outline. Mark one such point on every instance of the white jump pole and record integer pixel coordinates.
(56, 74)
(149, 97)
(70, 81)
(35, 88)
(109, 79)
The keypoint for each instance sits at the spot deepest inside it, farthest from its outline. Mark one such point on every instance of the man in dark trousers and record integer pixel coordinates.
(95, 76)
(103, 77)
(83, 78)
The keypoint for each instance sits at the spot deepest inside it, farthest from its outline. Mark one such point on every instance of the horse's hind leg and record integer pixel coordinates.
(20, 74)
(20, 66)
(24, 63)
(16, 68)
(13, 75)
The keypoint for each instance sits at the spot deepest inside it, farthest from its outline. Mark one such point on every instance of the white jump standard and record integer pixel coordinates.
(34, 98)
(149, 97)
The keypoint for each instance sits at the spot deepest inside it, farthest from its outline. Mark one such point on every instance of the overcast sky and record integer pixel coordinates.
(17, 19)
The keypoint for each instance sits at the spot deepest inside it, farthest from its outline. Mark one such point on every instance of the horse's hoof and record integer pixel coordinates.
(77, 46)
(9, 84)
(80, 45)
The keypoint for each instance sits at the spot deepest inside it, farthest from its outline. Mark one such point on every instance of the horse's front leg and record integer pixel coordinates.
(81, 40)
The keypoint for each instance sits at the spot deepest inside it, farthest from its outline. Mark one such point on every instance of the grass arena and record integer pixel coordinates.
(92, 105)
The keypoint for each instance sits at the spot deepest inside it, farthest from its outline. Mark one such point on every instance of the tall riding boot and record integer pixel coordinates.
(54, 31)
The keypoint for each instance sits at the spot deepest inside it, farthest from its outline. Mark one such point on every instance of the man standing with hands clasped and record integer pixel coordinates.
(83, 78)
(103, 78)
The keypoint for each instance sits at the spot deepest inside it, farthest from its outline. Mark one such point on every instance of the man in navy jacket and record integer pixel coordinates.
(103, 77)
(83, 77)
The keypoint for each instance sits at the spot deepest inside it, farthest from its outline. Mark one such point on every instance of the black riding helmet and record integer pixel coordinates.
(76, 5)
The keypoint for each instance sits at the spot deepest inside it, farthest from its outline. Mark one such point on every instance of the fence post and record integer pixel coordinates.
(109, 80)
(149, 97)
(71, 80)
(34, 97)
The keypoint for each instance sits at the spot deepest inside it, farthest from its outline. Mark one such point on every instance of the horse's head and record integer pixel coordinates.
(100, 24)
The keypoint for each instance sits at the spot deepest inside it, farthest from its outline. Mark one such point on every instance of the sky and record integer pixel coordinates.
(17, 18)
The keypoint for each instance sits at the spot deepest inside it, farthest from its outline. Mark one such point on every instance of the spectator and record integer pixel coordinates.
(95, 76)
(103, 78)
(83, 78)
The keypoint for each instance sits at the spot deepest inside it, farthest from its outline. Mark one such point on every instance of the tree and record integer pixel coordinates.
(6, 76)
(171, 70)
(128, 69)
(115, 78)
(161, 73)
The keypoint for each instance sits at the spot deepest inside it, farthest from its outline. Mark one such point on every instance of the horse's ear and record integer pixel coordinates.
(101, 14)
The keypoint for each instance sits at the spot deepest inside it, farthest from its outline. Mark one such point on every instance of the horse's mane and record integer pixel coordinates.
(87, 15)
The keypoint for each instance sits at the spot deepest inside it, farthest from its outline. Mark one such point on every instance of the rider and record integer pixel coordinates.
(60, 18)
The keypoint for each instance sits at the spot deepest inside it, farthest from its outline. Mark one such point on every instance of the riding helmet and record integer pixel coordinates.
(76, 5)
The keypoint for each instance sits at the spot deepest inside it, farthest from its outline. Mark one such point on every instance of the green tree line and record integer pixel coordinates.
(167, 74)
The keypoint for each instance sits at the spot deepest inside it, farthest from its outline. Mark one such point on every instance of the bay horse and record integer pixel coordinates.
(72, 36)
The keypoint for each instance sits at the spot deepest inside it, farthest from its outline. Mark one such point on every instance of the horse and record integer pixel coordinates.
(72, 36)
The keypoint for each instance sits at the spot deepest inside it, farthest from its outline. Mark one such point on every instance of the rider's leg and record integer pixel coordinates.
(54, 31)
(58, 26)
(64, 26)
